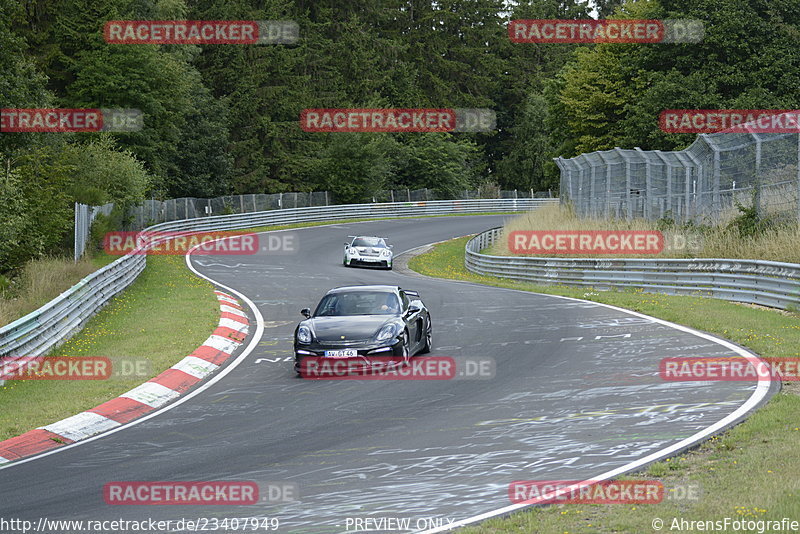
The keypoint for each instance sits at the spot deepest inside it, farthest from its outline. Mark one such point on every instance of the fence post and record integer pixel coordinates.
(716, 208)
(666, 162)
(608, 183)
(757, 199)
(580, 203)
(691, 187)
(326, 198)
(75, 243)
(648, 184)
(408, 191)
(628, 203)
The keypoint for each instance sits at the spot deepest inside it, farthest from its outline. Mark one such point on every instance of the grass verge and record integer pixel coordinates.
(42, 280)
(746, 236)
(750, 472)
(163, 316)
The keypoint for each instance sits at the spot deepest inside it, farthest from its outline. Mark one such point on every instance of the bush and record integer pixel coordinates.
(749, 222)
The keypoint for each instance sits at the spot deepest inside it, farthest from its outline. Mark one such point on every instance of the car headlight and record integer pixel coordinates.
(304, 334)
(387, 332)
(386, 253)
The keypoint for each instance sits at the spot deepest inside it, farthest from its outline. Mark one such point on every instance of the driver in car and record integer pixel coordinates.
(390, 306)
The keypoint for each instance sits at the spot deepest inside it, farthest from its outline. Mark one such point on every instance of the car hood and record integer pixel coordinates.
(352, 327)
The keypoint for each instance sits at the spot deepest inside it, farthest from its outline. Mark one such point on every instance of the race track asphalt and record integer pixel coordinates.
(575, 393)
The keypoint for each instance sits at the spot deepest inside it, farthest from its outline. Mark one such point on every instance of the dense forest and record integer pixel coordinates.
(223, 119)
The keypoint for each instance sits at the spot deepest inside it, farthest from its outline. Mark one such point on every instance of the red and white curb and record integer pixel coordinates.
(156, 392)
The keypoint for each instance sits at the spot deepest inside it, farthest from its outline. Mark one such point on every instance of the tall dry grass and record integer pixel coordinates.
(39, 282)
(781, 243)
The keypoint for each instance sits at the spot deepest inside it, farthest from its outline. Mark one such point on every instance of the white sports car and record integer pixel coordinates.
(368, 251)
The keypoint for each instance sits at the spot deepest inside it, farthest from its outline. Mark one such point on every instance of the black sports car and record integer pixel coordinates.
(366, 326)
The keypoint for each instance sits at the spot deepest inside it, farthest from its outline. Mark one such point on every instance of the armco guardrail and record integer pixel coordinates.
(769, 283)
(39, 331)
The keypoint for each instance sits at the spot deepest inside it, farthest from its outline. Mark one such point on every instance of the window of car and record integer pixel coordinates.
(374, 242)
(358, 303)
(405, 299)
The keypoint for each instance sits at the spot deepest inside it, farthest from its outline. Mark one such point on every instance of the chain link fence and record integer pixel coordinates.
(84, 216)
(701, 183)
(422, 195)
(152, 212)
(156, 211)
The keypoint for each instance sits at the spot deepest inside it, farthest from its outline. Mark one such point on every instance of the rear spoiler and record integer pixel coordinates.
(411, 293)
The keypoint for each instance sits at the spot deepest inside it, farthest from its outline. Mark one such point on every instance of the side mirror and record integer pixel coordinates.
(391, 246)
(306, 313)
(413, 308)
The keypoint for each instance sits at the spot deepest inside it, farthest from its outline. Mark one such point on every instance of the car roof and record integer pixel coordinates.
(367, 236)
(344, 289)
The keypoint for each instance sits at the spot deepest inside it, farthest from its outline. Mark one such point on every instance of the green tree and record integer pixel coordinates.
(354, 166)
(442, 162)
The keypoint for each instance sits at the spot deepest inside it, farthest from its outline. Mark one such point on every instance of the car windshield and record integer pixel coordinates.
(358, 303)
(375, 242)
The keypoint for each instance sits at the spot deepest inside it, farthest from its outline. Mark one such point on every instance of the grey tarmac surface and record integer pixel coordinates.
(575, 393)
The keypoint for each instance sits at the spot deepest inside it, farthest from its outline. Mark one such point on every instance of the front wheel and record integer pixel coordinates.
(428, 338)
(406, 349)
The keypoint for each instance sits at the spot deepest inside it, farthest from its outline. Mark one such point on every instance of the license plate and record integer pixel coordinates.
(344, 353)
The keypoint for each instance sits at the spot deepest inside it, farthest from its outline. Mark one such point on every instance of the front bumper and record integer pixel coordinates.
(307, 358)
(372, 261)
